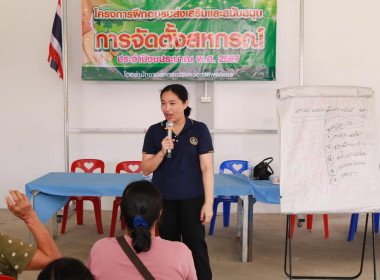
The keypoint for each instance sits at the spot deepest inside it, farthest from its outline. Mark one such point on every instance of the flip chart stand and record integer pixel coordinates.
(288, 253)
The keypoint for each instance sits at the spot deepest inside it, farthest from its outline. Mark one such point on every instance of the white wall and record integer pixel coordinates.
(31, 123)
(341, 48)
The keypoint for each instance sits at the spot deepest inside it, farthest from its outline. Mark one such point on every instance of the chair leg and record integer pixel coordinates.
(326, 223)
(309, 221)
(356, 225)
(98, 214)
(293, 221)
(353, 227)
(226, 213)
(123, 224)
(64, 218)
(156, 232)
(376, 221)
(79, 209)
(114, 217)
(212, 223)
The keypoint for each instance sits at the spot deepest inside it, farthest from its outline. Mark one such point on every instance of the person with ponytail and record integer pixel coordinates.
(141, 207)
(185, 178)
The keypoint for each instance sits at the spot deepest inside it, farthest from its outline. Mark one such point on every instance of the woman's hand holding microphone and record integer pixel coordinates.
(166, 143)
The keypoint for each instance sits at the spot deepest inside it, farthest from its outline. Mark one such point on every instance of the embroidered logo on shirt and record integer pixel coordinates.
(194, 141)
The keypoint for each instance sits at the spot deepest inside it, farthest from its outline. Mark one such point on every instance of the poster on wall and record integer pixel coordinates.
(194, 40)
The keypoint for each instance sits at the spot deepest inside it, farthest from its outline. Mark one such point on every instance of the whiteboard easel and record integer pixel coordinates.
(329, 150)
(329, 157)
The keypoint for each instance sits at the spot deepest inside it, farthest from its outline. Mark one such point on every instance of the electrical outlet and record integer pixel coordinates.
(206, 99)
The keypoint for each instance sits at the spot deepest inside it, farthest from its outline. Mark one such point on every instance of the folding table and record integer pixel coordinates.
(51, 192)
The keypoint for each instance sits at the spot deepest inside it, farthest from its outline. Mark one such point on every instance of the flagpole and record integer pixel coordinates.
(65, 85)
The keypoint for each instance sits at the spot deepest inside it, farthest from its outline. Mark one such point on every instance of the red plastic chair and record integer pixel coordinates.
(310, 224)
(88, 166)
(5, 277)
(129, 167)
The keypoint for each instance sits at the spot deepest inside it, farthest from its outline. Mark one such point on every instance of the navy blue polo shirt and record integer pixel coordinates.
(180, 177)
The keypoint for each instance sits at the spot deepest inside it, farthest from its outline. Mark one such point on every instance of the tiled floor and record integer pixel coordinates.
(312, 253)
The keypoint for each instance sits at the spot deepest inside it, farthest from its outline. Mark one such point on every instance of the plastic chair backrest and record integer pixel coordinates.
(129, 166)
(236, 166)
(88, 165)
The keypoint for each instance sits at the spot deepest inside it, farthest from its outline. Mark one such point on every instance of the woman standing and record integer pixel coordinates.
(186, 179)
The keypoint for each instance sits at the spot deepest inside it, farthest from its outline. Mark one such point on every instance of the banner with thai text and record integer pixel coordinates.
(190, 40)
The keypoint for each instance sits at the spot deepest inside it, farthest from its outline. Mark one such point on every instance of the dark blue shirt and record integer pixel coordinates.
(179, 177)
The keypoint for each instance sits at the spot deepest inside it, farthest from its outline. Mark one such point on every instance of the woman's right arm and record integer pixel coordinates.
(47, 250)
(150, 162)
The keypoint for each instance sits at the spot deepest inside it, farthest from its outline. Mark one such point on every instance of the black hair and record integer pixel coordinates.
(66, 269)
(141, 199)
(181, 92)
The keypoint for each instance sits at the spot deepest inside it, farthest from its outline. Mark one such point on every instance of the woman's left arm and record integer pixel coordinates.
(208, 183)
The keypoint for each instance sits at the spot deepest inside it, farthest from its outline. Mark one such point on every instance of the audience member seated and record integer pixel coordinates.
(16, 255)
(141, 206)
(66, 269)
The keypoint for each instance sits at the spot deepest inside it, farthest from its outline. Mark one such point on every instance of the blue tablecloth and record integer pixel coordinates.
(232, 184)
(55, 188)
(266, 192)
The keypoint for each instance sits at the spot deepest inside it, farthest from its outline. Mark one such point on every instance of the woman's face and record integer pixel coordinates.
(173, 107)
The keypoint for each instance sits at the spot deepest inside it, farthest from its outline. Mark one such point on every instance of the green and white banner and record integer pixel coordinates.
(193, 40)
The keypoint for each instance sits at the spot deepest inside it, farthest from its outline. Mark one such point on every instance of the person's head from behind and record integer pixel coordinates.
(175, 102)
(66, 269)
(141, 207)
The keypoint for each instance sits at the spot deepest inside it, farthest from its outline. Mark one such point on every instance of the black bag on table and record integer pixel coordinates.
(262, 171)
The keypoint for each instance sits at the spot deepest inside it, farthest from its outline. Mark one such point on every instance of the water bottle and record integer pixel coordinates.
(250, 168)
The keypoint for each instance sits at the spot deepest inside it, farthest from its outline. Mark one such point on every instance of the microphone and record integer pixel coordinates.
(169, 128)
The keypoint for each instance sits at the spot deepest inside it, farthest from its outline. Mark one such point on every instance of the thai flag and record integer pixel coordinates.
(55, 47)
